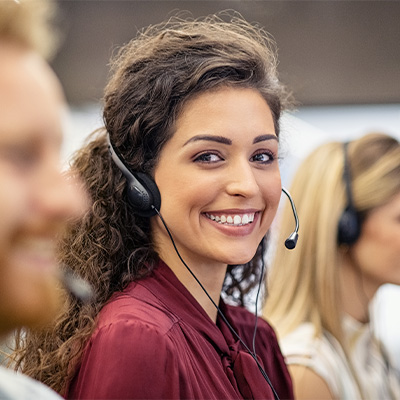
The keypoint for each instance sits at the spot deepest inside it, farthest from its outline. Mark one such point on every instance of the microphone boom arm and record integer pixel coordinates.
(291, 241)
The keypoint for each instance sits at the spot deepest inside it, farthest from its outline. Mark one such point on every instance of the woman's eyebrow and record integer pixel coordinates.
(224, 140)
(262, 138)
(212, 138)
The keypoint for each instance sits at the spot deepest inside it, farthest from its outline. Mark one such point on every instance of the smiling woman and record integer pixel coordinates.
(185, 183)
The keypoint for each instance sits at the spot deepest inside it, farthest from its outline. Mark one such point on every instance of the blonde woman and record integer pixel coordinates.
(348, 200)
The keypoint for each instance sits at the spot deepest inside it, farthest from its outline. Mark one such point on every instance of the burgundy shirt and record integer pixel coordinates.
(155, 341)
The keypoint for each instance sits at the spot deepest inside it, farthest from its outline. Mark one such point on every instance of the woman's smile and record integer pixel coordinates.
(233, 224)
(233, 218)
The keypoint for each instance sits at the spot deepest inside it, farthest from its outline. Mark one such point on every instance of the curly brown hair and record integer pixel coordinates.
(153, 76)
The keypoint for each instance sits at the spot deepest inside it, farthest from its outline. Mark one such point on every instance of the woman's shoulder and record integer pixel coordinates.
(320, 354)
(18, 386)
(135, 307)
(304, 346)
(126, 323)
(302, 340)
(131, 339)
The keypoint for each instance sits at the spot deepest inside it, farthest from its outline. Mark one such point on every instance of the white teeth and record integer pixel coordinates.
(235, 220)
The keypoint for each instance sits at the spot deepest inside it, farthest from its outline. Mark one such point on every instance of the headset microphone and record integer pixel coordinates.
(291, 241)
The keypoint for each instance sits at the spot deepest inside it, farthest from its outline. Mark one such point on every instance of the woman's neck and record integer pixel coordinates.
(210, 276)
(356, 290)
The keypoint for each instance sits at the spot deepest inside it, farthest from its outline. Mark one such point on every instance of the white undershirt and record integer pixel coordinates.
(325, 356)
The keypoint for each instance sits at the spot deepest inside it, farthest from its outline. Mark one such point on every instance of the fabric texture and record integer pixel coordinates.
(155, 341)
(324, 355)
(16, 386)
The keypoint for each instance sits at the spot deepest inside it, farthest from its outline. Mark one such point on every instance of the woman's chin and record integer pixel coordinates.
(240, 259)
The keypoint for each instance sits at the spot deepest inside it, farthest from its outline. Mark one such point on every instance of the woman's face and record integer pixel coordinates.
(35, 198)
(377, 251)
(219, 179)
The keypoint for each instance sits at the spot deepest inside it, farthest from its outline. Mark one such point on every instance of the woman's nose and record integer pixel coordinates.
(242, 180)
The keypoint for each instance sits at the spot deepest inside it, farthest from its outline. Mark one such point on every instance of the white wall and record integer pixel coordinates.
(307, 127)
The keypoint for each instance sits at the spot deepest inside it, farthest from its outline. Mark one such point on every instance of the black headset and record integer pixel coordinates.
(349, 226)
(144, 196)
(142, 191)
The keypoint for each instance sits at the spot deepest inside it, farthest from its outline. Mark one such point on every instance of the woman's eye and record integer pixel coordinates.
(208, 158)
(263, 157)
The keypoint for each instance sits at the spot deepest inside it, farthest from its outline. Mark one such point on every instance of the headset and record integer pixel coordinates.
(142, 191)
(349, 227)
(144, 197)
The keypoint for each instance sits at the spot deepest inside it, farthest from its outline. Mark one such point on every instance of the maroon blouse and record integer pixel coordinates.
(155, 341)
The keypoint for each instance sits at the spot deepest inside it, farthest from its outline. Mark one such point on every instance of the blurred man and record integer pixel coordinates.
(36, 199)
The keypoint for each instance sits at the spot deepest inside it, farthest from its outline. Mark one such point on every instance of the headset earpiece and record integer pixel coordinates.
(142, 191)
(349, 223)
(349, 226)
(143, 200)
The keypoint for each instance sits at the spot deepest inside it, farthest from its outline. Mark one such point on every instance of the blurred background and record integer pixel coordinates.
(341, 60)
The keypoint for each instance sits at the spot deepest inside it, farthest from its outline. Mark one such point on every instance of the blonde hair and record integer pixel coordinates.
(304, 283)
(29, 23)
